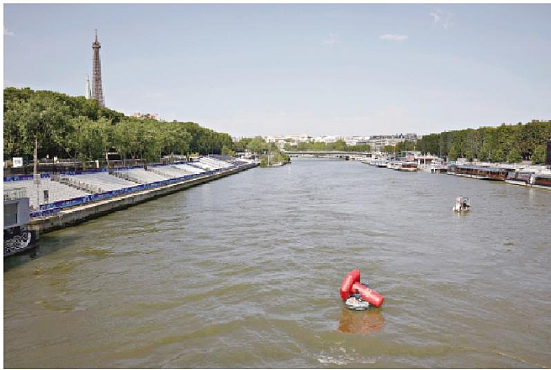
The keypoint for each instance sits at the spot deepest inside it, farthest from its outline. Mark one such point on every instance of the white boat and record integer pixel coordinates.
(407, 166)
(381, 163)
(462, 204)
(438, 168)
(392, 165)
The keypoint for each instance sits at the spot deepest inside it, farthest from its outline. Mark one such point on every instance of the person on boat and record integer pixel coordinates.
(458, 205)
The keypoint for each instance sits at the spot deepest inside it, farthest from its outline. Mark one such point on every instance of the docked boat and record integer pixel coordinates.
(393, 165)
(541, 181)
(17, 238)
(523, 178)
(438, 168)
(479, 172)
(381, 163)
(407, 166)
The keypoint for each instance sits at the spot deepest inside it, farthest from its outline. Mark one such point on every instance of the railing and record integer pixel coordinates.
(25, 177)
(49, 175)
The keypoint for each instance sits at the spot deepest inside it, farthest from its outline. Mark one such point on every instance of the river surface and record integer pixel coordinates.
(245, 272)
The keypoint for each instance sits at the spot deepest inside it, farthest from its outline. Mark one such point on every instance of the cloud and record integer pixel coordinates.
(8, 33)
(442, 18)
(394, 38)
(435, 16)
(333, 39)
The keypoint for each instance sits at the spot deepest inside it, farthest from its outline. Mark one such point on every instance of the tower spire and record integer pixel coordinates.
(97, 89)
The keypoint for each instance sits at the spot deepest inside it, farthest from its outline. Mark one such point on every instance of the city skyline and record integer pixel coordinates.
(270, 70)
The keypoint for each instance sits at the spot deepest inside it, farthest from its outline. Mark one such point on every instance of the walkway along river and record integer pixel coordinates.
(245, 272)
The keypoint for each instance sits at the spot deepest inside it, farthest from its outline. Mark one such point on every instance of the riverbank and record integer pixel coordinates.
(529, 175)
(75, 215)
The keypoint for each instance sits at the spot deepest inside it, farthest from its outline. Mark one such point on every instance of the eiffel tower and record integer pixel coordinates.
(97, 90)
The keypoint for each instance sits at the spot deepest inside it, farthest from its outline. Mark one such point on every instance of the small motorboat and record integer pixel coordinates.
(462, 204)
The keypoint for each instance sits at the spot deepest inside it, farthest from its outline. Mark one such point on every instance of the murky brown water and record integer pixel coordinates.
(245, 272)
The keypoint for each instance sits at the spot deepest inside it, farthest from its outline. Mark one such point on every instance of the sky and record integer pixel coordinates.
(282, 69)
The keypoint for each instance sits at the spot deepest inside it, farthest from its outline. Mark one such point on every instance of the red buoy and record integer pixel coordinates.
(351, 285)
(369, 295)
(349, 280)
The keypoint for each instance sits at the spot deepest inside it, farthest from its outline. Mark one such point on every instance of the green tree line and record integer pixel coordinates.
(505, 143)
(405, 145)
(339, 145)
(56, 124)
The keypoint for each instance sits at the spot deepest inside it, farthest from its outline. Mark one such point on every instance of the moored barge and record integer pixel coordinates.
(522, 178)
(541, 181)
(479, 172)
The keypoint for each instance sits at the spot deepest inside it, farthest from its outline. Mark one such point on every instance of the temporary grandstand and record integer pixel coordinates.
(97, 182)
(140, 176)
(70, 185)
(45, 191)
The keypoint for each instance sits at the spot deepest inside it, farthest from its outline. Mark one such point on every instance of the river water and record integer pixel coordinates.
(245, 272)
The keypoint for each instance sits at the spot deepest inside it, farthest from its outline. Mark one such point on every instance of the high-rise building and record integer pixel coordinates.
(97, 90)
(88, 92)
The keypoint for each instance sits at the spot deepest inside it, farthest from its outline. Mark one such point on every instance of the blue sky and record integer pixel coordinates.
(318, 69)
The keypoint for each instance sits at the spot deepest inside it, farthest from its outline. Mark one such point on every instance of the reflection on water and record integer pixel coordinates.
(361, 322)
(245, 272)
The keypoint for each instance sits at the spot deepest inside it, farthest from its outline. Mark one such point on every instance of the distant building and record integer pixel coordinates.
(278, 140)
(140, 115)
(327, 139)
(356, 140)
(378, 142)
(88, 92)
(295, 139)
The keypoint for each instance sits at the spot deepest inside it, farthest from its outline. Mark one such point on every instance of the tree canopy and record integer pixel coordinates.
(505, 143)
(75, 127)
(339, 145)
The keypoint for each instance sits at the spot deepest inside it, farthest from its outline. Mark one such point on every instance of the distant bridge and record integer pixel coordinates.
(328, 153)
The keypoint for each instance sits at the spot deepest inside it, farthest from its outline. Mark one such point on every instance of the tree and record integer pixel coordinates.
(429, 144)
(514, 156)
(453, 153)
(241, 145)
(39, 119)
(405, 145)
(90, 141)
(227, 151)
(51, 123)
(538, 157)
(257, 145)
(389, 149)
(173, 138)
(339, 145)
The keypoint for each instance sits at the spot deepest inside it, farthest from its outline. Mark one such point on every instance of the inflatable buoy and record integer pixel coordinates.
(349, 280)
(351, 285)
(369, 295)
